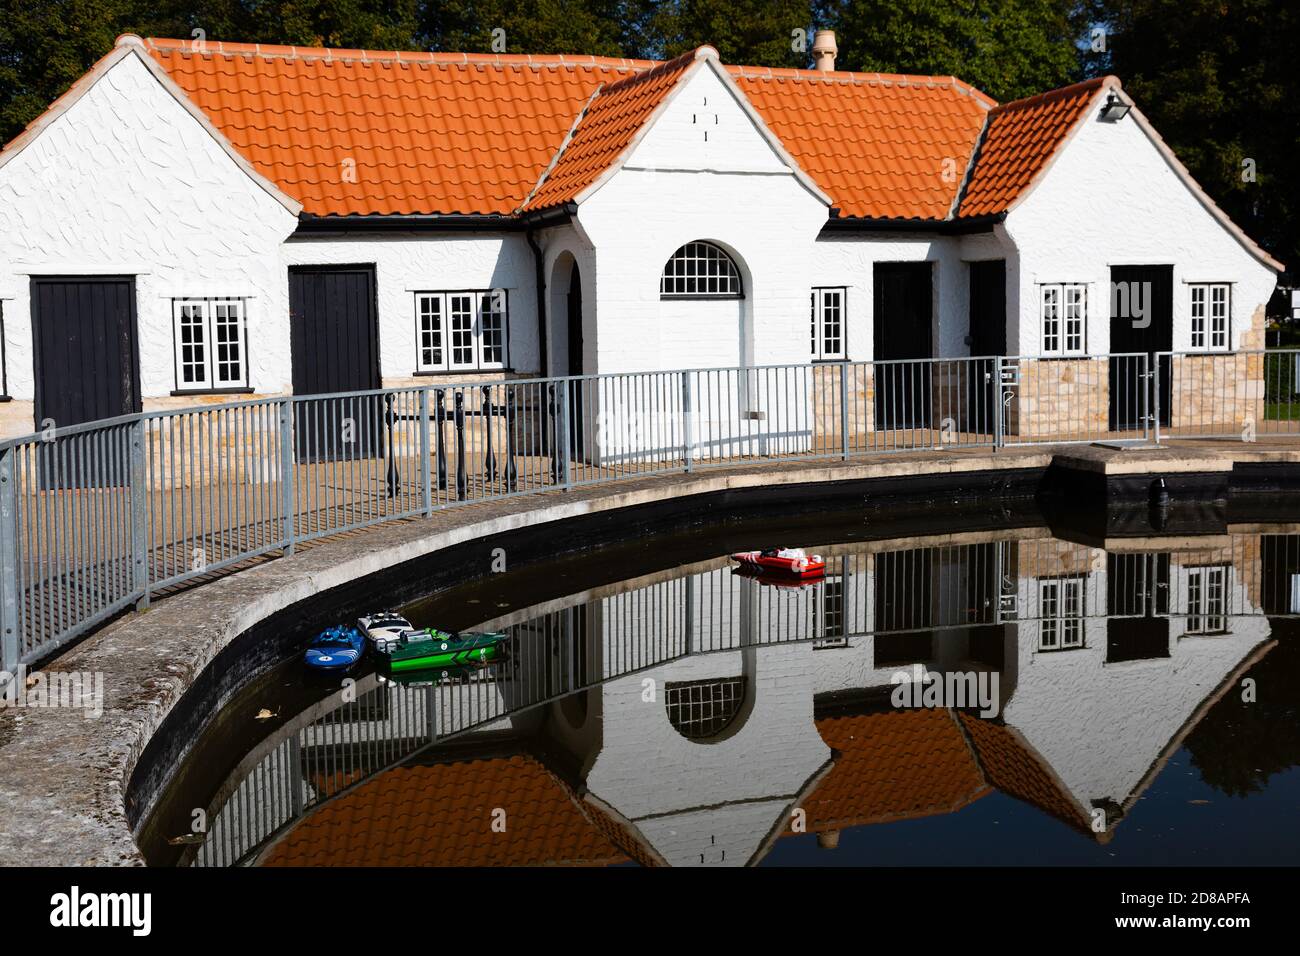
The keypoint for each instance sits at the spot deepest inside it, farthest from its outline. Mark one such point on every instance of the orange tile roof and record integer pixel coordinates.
(614, 116)
(363, 132)
(1021, 140)
(360, 132)
(881, 146)
(367, 132)
(441, 815)
(894, 765)
(1011, 766)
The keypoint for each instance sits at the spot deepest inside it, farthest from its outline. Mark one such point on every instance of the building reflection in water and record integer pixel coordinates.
(696, 716)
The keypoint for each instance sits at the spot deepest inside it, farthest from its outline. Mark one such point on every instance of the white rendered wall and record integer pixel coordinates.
(731, 189)
(127, 182)
(1112, 199)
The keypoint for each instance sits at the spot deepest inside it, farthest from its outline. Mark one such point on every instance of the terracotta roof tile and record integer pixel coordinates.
(441, 815)
(882, 146)
(349, 132)
(608, 125)
(1021, 139)
(894, 765)
(1011, 766)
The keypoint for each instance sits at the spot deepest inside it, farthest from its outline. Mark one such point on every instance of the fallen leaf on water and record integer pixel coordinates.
(188, 839)
(265, 714)
(1197, 803)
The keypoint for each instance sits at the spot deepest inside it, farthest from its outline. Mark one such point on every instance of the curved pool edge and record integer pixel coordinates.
(65, 777)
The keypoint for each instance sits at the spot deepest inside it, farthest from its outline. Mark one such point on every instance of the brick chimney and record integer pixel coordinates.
(824, 50)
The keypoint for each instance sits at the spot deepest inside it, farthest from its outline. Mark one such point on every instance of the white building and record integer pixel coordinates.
(193, 221)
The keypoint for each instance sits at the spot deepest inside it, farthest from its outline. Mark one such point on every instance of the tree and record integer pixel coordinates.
(46, 45)
(1218, 81)
(752, 32)
(1007, 48)
(595, 27)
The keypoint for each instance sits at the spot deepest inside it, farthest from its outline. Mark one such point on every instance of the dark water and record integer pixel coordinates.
(1129, 701)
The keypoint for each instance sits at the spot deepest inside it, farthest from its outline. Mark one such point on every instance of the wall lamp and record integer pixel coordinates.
(1115, 108)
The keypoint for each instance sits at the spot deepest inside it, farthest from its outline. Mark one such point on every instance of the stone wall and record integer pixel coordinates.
(1060, 399)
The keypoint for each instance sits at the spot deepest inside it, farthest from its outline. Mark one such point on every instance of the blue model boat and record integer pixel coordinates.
(335, 648)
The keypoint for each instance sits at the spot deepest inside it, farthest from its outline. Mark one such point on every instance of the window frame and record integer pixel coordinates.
(211, 383)
(1197, 576)
(818, 324)
(681, 254)
(481, 303)
(1209, 332)
(1062, 334)
(1059, 617)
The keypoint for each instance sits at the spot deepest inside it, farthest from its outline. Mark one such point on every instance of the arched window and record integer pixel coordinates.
(700, 270)
(703, 708)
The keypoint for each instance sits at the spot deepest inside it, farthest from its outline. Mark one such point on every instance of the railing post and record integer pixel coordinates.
(688, 421)
(999, 404)
(1155, 396)
(462, 476)
(288, 479)
(9, 562)
(139, 515)
(844, 410)
(426, 476)
(560, 461)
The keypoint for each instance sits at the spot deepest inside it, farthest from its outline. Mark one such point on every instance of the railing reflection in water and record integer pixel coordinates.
(1057, 588)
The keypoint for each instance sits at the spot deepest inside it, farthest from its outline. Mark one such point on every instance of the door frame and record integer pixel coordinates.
(134, 331)
(371, 268)
(1115, 412)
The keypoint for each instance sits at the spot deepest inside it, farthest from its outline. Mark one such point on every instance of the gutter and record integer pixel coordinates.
(947, 227)
(539, 280)
(311, 224)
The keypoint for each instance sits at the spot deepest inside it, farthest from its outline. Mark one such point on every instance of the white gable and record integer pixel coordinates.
(704, 127)
(125, 176)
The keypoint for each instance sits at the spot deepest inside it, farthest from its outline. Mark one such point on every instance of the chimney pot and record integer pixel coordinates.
(824, 50)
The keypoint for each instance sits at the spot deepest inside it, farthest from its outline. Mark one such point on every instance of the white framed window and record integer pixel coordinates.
(1211, 308)
(210, 337)
(700, 270)
(831, 616)
(1063, 316)
(1207, 600)
(459, 331)
(828, 327)
(1060, 612)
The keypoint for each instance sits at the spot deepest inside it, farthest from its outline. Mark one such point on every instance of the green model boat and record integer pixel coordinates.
(431, 648)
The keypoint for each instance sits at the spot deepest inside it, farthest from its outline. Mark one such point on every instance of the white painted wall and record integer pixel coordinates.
(1112, 199)
(731, 189)
(127, 182)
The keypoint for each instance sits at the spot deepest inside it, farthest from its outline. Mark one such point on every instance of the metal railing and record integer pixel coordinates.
(99, 516)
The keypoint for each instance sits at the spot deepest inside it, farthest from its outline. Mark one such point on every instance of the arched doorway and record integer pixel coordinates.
(574, 317)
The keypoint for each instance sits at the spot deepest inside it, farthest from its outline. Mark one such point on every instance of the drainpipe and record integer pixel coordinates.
(541, 299)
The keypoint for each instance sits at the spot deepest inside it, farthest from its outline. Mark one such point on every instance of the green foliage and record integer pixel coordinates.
(1007, 48)
(756, 32)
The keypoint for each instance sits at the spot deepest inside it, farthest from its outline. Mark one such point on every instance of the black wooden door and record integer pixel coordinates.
(988, 337)
(1137, 605)
(1141, 320)
(577, 393)
(86, 362)
(901, 324)
(334, 343)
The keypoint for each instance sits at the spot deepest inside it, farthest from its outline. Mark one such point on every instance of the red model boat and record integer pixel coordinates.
(794, 562)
